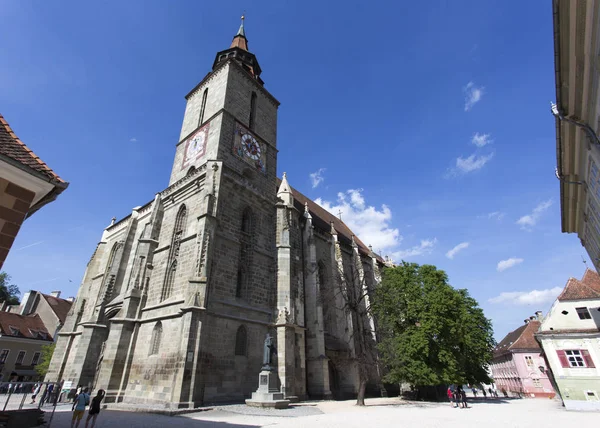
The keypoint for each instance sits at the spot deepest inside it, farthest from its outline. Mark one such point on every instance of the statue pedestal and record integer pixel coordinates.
(268, 394)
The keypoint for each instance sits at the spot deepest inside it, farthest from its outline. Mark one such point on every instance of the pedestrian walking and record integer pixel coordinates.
(484, 393)
(36, 391)
(94, 408)
(491, 392)
(81, 400)
(450, 394)
(462, 397)
(474, 390)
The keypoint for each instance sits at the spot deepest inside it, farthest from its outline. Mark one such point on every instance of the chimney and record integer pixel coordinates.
(538, 315)
(70, 299)
(532, 318)
(526, 320)
(27, 302)
(55, 294)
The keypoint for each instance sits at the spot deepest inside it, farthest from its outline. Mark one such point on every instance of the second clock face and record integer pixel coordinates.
(249, 148)
(195, 146)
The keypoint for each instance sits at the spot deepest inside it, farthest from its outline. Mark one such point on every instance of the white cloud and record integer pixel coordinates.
(532, 297)
(425, 247)
(450, 254)
(528, 221)
(133, 140)
(30, 245)
(370, 224)
(508, 263)
(481, 140)
(473, 95)
(472, 163)
(316, 177)
(496, 215)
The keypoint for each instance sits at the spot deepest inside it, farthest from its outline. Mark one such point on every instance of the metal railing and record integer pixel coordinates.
(32, 395)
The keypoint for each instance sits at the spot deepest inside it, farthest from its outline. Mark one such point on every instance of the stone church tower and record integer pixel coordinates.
(179, 295)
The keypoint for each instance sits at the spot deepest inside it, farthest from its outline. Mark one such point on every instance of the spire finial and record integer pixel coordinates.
(241, 31)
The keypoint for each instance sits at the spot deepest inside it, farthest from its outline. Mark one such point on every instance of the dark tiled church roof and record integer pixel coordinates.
(523, 338)
(12, 147)
(322, 220)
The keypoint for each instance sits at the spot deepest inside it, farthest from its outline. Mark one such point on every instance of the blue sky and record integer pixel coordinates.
(426, 123)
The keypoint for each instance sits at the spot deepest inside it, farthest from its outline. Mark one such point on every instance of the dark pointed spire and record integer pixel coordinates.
(240, 41)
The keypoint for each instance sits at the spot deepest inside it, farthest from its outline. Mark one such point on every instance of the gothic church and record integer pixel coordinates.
(179, 295)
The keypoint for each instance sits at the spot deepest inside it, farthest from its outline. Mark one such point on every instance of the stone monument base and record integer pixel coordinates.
(267, 394)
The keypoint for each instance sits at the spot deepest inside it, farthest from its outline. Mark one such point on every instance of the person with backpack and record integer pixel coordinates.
(94, 408)
(81, 400)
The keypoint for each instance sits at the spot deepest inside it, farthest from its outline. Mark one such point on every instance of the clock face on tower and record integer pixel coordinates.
(249, 148)
(195, 146)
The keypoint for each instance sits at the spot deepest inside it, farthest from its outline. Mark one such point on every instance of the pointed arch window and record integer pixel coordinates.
(247, 220)
(203, 107)
(169, 280)
(180, 224)
(252, 119)
(241, 339)
(240, 281)
(156, 339)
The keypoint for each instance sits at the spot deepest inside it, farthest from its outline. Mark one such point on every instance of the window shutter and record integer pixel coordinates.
(563, 358)
(588, 359)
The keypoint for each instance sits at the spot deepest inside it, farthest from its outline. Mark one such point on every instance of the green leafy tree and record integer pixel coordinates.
(430, 334)
(8, 292)
(42, 367)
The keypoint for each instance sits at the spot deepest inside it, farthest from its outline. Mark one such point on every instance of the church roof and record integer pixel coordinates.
(322, 219)
(239, 40)
(12, 147)
(587, 288)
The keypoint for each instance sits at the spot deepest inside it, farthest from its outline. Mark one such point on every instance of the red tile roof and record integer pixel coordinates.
(523, 338)
(11, 146)
(587, 288)
(28, 326)
(61, 307)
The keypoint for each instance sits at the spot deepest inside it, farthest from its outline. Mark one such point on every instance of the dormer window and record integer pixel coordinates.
(583, 313)
(14, 331)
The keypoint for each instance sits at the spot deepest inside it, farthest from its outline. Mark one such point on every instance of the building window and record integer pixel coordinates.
(575, 358)
(180, 224)
(583, 313)
(247, 220)
(239, 285)
(240, 341)
(203, 107)
(155, 339)
(591, 396)
(4, 356)
(537, 383)
(35, 359)
(529, 361)
(20, 357)
(252, 119)
(169, 280)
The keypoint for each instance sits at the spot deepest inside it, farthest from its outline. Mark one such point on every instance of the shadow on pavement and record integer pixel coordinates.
(115, 418)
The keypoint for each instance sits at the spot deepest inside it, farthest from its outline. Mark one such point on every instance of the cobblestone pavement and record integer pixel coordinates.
(389, 412)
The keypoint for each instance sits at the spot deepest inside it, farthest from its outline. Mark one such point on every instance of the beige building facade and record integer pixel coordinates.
(179, 295)
(577, 112)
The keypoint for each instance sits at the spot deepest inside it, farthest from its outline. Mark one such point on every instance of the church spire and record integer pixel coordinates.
(239, 40)
(238, 52)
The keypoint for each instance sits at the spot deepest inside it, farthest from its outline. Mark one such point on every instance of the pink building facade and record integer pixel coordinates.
(518, 367)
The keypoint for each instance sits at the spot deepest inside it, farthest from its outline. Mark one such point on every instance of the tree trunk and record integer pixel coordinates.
(362, 386)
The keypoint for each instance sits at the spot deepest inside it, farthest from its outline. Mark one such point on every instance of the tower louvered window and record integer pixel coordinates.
(252, 119)
(203, 107)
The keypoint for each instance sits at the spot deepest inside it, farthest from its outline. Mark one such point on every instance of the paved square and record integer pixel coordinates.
(390, 412)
